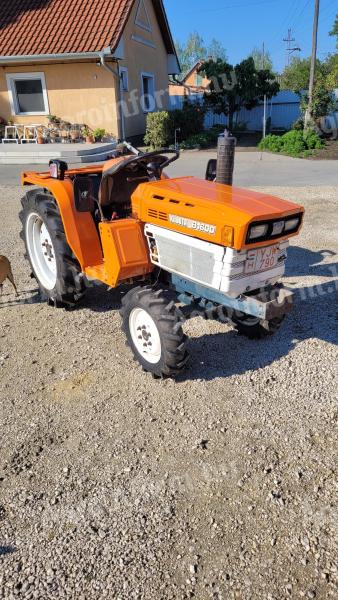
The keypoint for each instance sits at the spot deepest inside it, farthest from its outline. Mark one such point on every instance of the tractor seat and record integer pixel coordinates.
(120, 178)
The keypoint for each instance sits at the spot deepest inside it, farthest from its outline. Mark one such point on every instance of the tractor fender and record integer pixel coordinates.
(81, 233)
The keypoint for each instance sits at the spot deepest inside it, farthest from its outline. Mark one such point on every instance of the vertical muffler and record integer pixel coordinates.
(225, 158)
(222, 169)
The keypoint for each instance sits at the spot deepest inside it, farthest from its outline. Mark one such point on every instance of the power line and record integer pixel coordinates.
(243, 5)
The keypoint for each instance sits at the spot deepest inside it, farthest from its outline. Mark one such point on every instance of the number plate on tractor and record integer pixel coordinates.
(261, 259)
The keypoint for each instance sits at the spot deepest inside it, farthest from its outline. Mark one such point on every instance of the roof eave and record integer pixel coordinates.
(43, 58)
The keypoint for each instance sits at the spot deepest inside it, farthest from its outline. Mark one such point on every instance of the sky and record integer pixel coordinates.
(243, 24)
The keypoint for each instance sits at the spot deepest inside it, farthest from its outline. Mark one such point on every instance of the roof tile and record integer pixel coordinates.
(34, 27)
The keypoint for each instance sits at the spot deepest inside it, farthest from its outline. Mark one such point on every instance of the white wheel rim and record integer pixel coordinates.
(41, 251)
(145, 335)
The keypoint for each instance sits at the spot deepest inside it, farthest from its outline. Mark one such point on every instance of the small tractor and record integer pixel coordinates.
(202, 243)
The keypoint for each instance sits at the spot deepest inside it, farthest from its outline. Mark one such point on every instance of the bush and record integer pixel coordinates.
(271, 142)
(205, 139)
(161, 126)
(158, 126)
(312, 140)
(298, 125)
(294, 143)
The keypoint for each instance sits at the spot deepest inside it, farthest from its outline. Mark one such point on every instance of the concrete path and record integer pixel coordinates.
(250, 170)
(256, 169)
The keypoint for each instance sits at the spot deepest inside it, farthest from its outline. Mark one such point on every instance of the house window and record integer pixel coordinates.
(124, 79)
(198, 80)
(27, 93)
(148, 92)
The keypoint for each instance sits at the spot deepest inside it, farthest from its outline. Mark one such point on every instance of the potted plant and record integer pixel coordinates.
(88, 134)
(54, 120)
(98, 134)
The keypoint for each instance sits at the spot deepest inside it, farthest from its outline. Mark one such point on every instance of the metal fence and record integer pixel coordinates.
(284, 109)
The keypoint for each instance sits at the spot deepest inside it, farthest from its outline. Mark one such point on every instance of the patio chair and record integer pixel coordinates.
(12, 134)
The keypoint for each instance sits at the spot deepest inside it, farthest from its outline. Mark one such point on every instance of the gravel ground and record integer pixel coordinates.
(218, 486)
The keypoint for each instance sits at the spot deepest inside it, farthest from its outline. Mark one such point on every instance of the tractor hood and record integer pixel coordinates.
(209, 211)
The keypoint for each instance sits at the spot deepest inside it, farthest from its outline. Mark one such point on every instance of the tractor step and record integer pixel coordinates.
(97, 273)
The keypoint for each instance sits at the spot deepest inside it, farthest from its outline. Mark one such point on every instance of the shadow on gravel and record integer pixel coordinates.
(226, 354)
(25, 297)
(6, 550)
(302, 261)
(314, 316)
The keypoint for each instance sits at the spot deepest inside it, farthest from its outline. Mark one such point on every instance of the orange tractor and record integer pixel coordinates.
(210, 246)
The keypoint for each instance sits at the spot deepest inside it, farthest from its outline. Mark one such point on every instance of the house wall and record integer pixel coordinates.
(77, 92)
(87, 94)
(139, 58)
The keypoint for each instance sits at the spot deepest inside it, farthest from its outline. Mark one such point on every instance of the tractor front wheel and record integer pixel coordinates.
(53, 264)
(154, 333)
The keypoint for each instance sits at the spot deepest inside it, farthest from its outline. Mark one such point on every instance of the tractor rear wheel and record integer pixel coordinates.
(53, 264)
(254, 328)
(154, 333)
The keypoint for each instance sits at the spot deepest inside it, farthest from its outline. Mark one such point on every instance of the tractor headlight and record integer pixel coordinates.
(291, 224)
(258, 231)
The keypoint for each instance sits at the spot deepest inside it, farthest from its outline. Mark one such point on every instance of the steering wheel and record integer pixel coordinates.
(159, 162)
(153, 168)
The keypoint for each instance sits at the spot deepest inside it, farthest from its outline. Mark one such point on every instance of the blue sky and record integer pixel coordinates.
(243, 24)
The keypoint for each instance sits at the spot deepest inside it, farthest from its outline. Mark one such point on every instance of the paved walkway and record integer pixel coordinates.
(252, 169)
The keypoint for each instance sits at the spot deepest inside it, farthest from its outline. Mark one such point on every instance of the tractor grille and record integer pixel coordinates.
(155, 214)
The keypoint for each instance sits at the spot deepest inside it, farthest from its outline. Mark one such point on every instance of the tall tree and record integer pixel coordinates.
(334, 31)
(195, 49)
(216, 50)
(296, 76)
(262, 60)
(232, 88)
(191, 52)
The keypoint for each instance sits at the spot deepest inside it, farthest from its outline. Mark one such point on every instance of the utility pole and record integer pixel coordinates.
(289, 49)
(313, 62)
(264, 109)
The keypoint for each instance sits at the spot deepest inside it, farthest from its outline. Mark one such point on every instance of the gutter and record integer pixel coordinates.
(117, 74)
(29, 58)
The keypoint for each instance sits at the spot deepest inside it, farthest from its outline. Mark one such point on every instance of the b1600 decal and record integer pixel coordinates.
(190, 224)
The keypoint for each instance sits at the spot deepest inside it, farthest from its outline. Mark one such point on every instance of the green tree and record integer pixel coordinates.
(323, 102)
(231, 88)
(334, 31)
(262, 61)
(195, 49)
(216, 50)
(296, 76)
(191, 52)
(331, 67)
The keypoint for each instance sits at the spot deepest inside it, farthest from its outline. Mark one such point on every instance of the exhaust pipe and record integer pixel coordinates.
(225, 158)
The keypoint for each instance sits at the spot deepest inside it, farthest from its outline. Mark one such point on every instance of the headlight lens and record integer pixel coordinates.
(258, 231)
(291, 224)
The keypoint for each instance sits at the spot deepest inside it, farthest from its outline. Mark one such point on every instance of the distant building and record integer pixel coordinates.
(192, 83)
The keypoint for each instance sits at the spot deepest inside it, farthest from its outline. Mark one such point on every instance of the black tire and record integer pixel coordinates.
(255, 329)
(168, 322)
(70, 285)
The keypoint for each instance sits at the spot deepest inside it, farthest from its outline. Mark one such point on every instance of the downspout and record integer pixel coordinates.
(117, 74)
